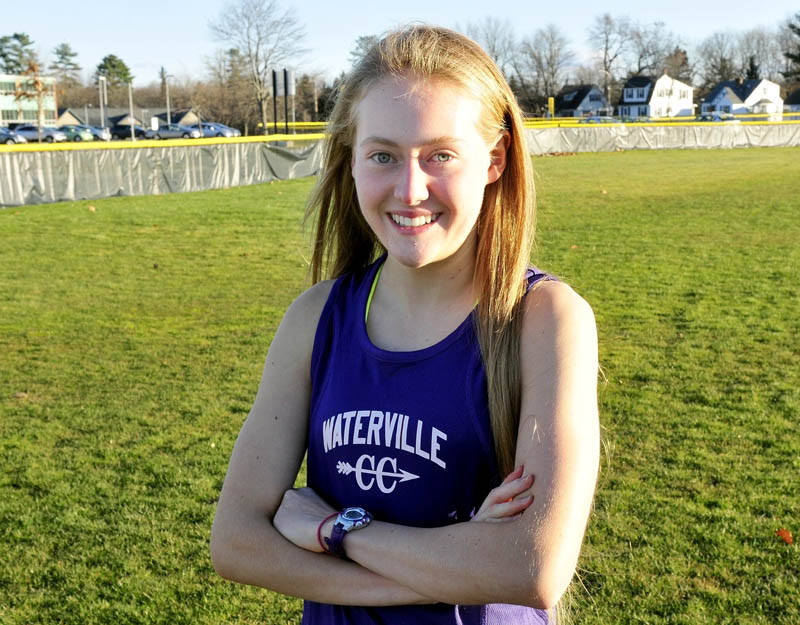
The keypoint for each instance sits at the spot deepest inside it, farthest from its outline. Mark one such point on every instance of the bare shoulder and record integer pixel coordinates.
(553, 306)
(306, 309)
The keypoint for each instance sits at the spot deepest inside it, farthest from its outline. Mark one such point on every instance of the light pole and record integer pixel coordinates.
(102, 86)
(166, 87)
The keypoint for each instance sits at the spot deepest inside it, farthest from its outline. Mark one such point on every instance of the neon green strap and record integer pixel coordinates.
(372, 292)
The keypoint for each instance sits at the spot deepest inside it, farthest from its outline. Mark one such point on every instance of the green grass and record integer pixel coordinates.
(131, 343)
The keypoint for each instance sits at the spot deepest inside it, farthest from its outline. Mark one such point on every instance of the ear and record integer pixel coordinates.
(499, 156)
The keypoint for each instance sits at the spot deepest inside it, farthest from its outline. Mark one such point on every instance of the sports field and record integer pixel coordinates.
(132, 332)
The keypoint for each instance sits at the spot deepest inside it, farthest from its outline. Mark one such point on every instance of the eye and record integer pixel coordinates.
(382, 158)
(442, 157)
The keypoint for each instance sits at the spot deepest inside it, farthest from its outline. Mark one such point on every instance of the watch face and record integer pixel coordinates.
(353, 514)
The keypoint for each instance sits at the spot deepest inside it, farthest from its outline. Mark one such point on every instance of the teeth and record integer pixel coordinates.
(413, 222)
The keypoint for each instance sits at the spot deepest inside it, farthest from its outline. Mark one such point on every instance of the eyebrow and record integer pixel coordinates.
(394, 144)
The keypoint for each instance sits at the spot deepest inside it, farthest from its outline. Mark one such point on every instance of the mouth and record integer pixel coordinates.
(414, 222)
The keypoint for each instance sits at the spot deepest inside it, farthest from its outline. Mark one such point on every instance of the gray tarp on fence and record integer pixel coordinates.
(679, 137)
(35, 177)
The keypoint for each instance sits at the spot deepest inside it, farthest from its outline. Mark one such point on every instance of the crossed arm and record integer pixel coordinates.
(265, 533)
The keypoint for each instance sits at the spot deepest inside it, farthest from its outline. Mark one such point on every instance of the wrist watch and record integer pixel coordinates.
(348, 520)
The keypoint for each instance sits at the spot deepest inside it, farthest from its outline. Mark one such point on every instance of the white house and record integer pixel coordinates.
(643, 96)
(580, 101)
(744, 96)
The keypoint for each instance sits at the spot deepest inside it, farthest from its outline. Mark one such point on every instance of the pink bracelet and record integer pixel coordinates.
(319, 531)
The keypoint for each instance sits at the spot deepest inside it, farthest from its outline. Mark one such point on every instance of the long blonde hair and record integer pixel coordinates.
(343, 241)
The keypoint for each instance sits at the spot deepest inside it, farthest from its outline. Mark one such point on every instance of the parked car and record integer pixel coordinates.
(173, 131)
(213, 129)
(716, 116)
(119, 132)
(49, 134)
(599, 119)
(8, 136)
(98, 133)
(76, 133)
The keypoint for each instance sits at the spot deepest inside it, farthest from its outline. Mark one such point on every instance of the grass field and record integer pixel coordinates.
(132, 332)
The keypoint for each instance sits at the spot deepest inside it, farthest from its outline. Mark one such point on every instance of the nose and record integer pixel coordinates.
(411, 187)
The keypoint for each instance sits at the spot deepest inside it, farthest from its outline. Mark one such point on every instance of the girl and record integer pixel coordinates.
(434, 363)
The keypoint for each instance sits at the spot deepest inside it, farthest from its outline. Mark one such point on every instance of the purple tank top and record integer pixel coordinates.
(405, 435)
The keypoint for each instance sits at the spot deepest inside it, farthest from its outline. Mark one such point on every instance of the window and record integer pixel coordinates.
(642, 111)
(30, 115)
(662, 93)
(568, 96)
(9, 115)
(594, 97)
(640, 93)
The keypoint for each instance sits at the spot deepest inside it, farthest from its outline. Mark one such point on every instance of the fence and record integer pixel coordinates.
(34, 174)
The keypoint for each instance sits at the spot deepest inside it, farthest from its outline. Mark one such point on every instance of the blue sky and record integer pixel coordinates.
(176, 35)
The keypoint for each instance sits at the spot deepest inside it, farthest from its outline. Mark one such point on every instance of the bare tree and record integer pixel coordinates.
(33, 88)
(676, 64)
(718, 59)
(548, 55)
(764, 46)
(496, 36)
(609, 37)
(265, 35)
(649, 46)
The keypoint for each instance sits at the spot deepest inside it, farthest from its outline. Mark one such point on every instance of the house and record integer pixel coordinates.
(792, 102)
(580, 101)
(744, 96)
(68, 117)
(644, 96)
(184, 118)
(25, 109)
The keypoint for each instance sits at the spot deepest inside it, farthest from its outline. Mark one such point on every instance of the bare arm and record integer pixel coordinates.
(245, 546)
(531, 559)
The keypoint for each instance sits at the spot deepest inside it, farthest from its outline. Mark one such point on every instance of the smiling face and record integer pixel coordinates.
(420, 165)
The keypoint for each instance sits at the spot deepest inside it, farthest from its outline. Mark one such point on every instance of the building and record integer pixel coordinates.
(19, 101)
(644, 96)
(792, 102)
(580, 101)
(744, 96)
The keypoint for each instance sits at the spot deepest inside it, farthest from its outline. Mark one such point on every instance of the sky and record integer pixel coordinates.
(147, 34)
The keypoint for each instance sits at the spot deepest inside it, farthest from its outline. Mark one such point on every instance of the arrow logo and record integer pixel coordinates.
(380, 473)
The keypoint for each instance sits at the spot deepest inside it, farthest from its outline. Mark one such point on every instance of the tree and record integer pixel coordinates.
(546, 55)
(33, 88)
(114, 70)
(717, 53)
(496, 36)
(792, 54)
(17, 53)
(753, 70)
(64, 65)
(676, 64)
(609, 37)
(363, 44)
(266, 36)
(649, 46)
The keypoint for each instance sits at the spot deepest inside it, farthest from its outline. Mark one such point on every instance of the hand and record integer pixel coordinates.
(299, 516)
(504, 502)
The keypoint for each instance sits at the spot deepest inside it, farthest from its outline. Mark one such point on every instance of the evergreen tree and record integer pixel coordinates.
(17, 53)
(753, 71)
(114, 70)
(64, 65)
(793, 54)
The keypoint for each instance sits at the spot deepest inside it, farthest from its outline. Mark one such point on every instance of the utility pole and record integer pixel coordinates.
(101, 85)
(130, 107)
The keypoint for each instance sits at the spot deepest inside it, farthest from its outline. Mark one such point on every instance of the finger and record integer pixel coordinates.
(515, 474)
(510, 490)
(508, 509)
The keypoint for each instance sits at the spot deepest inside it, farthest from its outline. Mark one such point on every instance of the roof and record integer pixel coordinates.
(577, 92)
(742, 89)
(637, 82)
